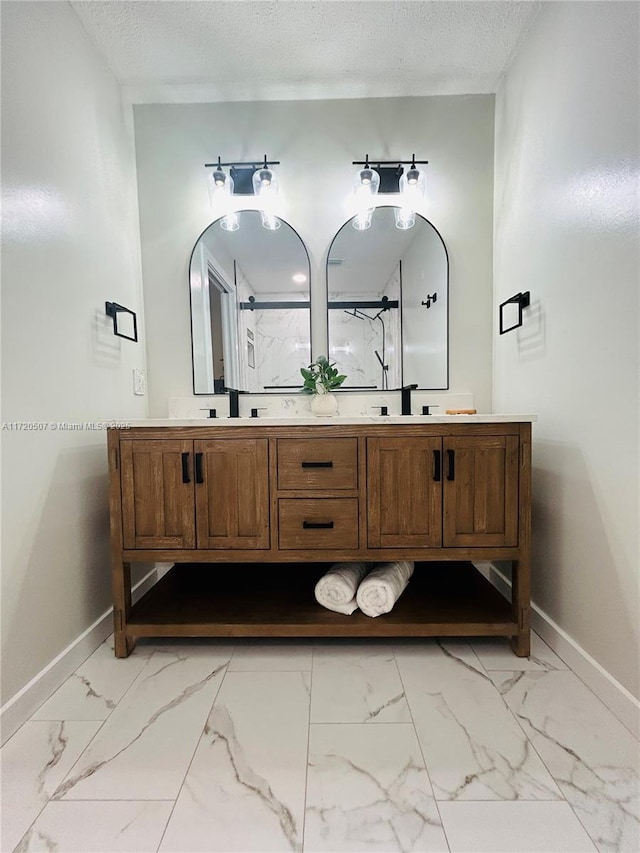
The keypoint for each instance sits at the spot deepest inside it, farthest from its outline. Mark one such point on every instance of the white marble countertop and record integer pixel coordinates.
(337, 420)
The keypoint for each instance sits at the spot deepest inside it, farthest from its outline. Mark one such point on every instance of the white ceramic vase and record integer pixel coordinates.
(324, 405)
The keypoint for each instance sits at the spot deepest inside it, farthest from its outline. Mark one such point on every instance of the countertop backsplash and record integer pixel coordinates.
(297, 405)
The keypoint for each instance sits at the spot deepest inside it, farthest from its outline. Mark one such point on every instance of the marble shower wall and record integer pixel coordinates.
(354, 341)
(282, 343)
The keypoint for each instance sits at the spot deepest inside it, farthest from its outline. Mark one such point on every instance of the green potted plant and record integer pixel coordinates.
(320, 379)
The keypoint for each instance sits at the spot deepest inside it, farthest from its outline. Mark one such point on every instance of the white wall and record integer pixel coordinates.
(316, 142)
(566, 228)
(70, 243)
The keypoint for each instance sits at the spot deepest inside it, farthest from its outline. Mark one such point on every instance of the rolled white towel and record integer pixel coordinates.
(337, 589)
(383, 586)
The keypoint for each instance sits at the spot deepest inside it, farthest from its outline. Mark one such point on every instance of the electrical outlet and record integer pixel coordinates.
(139, 382)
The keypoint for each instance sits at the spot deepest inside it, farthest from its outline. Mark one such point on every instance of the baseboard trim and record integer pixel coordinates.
(614, 695)
(20, 707)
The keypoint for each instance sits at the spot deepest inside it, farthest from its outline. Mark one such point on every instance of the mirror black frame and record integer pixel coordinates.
(286, 389)
(431, 298)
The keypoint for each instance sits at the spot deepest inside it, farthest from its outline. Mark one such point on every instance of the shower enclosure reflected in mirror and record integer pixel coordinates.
(388, 304)
(250, 307)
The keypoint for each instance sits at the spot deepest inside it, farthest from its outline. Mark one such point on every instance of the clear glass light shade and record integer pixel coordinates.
(269, 221)
(366, 182)
(230, 222)
(413, 186)
(220, 188)
(362, 221)
(365, 187)
(266, 186)
(404, 218)
(265, 181)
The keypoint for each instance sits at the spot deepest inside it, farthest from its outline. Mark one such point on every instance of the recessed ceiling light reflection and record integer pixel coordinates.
(299, 278)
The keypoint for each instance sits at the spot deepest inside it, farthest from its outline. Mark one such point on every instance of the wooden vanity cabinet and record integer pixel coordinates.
(157, 499)
(253, 515)
(456, 491)
(480, 483)
(404, 492)
(207, 494)
(232, 493)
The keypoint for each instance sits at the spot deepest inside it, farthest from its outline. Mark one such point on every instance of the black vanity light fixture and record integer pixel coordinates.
(511, 311)
(388, 176)
(125, 323)
(244, 178)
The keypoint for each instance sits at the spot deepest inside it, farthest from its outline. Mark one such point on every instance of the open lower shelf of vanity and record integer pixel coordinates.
(277, 600)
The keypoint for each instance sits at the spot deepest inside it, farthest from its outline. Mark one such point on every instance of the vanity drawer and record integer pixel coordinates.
(317, 463)
(318, 523)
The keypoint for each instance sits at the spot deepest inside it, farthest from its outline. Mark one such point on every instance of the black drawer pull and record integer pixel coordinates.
(317, 464)
(185, 468)
(451, 459)
(317, 525)
(199, 477)
(437, 466)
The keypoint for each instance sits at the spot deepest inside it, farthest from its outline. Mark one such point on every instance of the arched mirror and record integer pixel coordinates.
(250, 307)
(388, 304)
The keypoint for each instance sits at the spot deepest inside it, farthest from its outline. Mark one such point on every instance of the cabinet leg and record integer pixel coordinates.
(122, 645)
(520, 606)
(121, 578)
(521, 643)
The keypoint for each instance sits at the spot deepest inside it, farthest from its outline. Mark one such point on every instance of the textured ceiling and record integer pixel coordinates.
(259, 49)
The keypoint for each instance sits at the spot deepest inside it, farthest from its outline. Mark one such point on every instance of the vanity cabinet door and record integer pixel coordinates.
(404, 492)
(480, 484)
(232, 493)
(157, 494)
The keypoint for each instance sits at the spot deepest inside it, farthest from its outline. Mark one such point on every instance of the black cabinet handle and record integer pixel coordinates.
(185, 468)
(317, 525)
(317, 464)
(437, 466)
(199, 477)
(451, 459)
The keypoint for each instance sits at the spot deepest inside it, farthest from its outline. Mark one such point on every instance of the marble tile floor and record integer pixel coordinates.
(205, 745)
